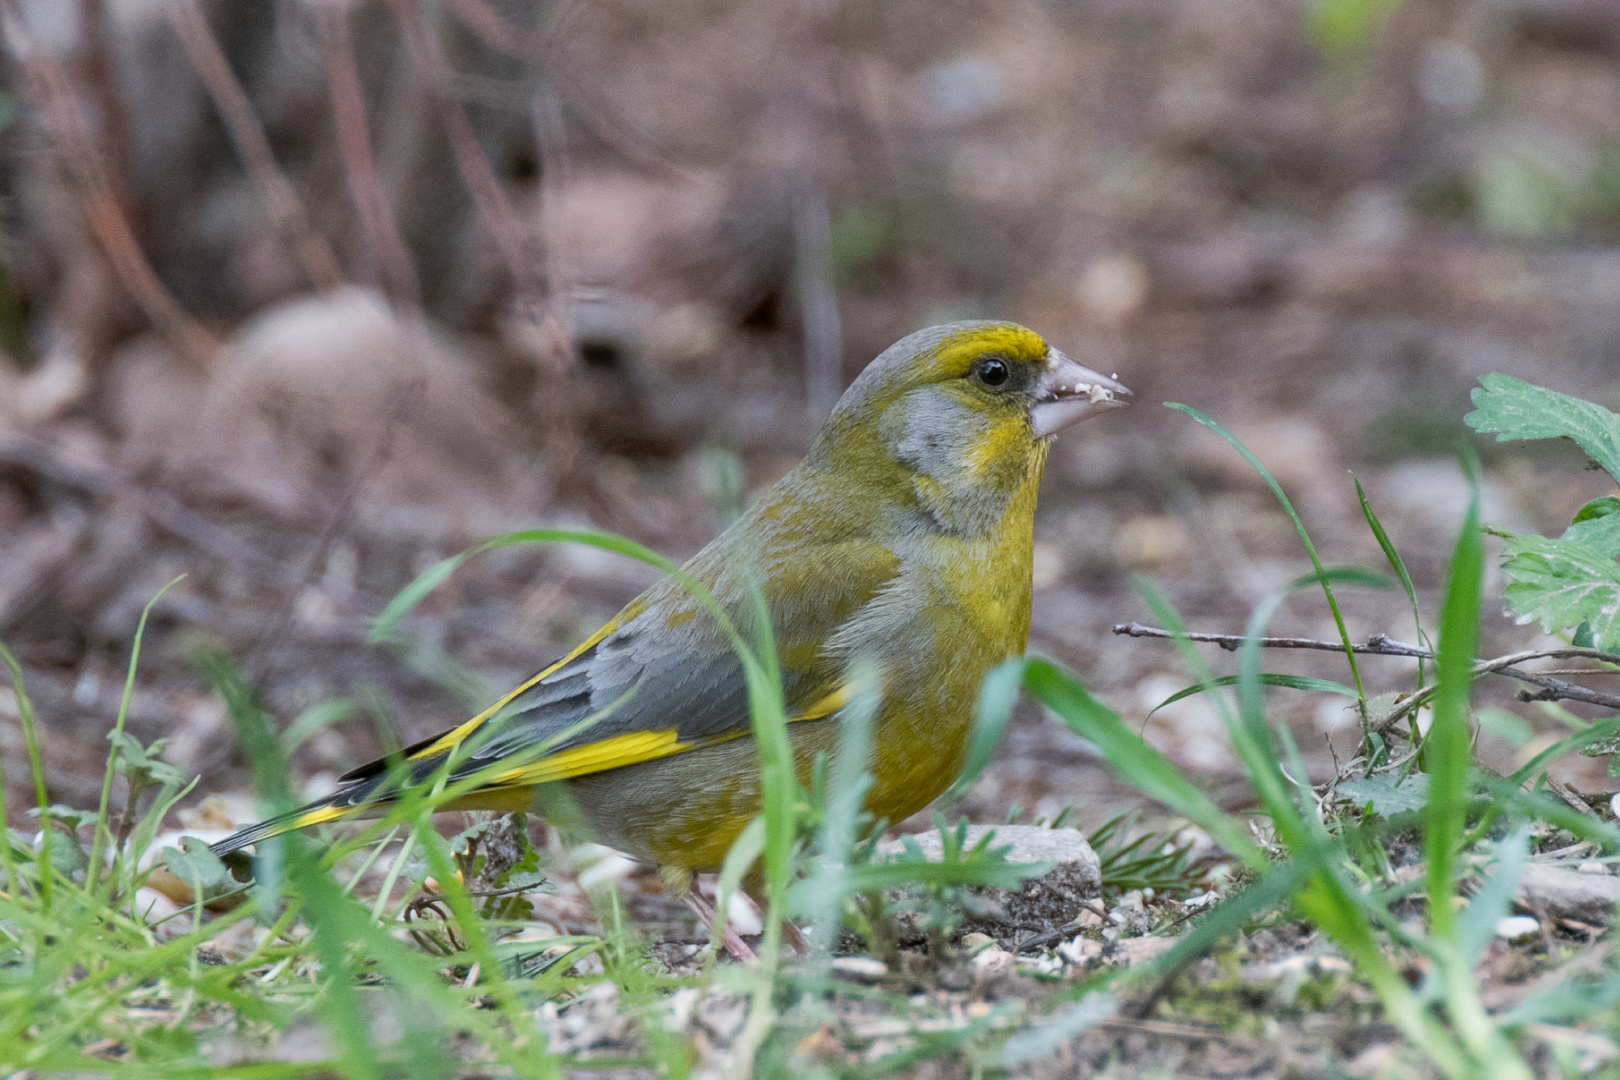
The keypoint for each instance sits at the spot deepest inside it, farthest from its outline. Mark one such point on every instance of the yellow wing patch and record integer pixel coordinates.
(634, 747)
(454, 737)
(823, 707)
(613, 752)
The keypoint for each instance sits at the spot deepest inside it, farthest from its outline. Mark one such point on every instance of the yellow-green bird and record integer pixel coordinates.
(904, 536)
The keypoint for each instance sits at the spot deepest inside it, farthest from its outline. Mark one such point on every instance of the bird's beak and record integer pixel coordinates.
(1068, 393)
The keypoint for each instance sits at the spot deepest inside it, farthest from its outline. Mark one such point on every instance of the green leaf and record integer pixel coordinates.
(1398, 564)
(997, 695)
(1513, 409)
(1387, 793)
(1561, 584)
(1603, 507)
(1600, 531)
(194, 864)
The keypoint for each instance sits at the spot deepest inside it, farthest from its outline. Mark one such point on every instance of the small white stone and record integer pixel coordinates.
(1518, 928)
(1614, 805)
(993, 963)
(743, 916)
(860, 967)
(1593, 866)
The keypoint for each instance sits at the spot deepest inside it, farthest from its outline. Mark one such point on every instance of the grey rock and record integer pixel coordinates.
(1566, 893)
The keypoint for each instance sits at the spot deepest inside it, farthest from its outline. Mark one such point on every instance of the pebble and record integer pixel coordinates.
(862, 968)
(1518, 928)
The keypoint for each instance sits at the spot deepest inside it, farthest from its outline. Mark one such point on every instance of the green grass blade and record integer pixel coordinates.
(1292, 682)
(998, 693)
(1397, 564)
(1144, 767)
(1304, 538)
(387, 623)
(1449, 750)
(1476, 926)
(36, 766)
(1600, 729)
(102, 832)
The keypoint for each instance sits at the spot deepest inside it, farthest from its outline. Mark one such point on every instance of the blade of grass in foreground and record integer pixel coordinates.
(1450, 754)
(25, 717)
(1321, 894)
(1134, 759)
(347, 939)
(1446, 811)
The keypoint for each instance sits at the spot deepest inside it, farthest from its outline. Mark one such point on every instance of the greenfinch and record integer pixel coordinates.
(904, 537)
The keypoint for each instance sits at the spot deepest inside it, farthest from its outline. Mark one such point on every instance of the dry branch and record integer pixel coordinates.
(1551, 689)
(560, 70)
(64, 122)
(518, 247)
(247, 134)
(359, 167)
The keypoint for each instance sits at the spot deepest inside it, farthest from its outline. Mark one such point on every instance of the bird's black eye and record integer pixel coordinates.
(992, 371)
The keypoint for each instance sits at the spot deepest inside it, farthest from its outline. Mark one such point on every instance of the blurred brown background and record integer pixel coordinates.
(302, 295)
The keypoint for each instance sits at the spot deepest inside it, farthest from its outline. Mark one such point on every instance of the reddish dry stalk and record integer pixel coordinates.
(98, 76)
(500, 218)
(52, 91)
(247, 134)
(360, 169)
(499, 32)
(501, 35)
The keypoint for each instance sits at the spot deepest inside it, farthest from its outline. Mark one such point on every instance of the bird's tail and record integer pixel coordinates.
(316, 813)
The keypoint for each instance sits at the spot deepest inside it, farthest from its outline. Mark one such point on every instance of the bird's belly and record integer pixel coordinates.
(684, 811)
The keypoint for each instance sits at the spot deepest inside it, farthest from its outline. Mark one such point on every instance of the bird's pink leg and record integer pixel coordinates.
(733, 943)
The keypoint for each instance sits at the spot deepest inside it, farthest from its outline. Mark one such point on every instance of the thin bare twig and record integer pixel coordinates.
(116, 140)
(359, 167)
(162, 509)
(561, 71)
(51, 88)
(1382, 645)
(247, 134)
(517, 245)
(1378, 645)
(1558, 690)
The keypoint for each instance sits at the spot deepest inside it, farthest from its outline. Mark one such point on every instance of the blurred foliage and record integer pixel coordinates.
(1339, 26)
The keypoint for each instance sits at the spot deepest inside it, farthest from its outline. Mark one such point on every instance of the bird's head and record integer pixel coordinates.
(964, 414)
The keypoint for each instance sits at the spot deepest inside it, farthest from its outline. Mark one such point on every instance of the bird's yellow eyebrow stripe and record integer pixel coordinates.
(454, 737)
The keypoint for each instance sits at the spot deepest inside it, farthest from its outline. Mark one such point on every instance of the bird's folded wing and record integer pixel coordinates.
(658, 679)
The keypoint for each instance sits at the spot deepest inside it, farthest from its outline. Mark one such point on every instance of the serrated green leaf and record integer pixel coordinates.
(1599, 747)
(1600, 532)
(1512, 409)
(193, 863)
(1563, 583)
(1387, 793)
